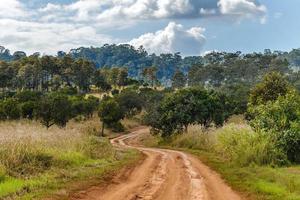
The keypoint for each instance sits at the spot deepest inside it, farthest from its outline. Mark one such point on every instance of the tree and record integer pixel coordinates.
(179, 79)
(122, 78)
(110, 113)
(130, 102)
(54, 109)
(188, 106)
(100, 81)
(150, 74)
(272, 86)
(281, 120)
(82, 71)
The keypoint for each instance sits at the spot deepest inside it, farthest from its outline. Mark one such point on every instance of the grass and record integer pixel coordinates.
(245, 159)
(35, 162)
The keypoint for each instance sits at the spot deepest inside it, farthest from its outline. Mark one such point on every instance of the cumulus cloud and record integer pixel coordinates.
(114, 10)
(48, 26)
(12, 9)
(242, 8)
(173, 38)
(48, 38)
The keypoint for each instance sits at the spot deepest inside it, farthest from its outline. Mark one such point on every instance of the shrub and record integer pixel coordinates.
(281, 120)
(10, 109)
(26, 95)
(28, 109)
(130, 102)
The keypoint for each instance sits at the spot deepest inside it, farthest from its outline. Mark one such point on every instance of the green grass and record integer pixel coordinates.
(256, 182)
(78, 169)
(54, 183)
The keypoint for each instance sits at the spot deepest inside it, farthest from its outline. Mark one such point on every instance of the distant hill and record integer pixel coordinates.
(136, 60)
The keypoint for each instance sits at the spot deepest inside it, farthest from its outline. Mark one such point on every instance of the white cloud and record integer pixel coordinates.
(111, 11)
(11, 9)
(174, 38)
(243, 8)
(58, 26)
(48, 38)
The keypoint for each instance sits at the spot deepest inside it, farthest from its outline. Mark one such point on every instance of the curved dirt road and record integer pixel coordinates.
(162, 175)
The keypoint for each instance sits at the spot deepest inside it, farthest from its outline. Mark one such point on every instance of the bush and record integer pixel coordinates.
(10, 109)
(130, 102)
(28, 109)
(25, 96)
(281, 120)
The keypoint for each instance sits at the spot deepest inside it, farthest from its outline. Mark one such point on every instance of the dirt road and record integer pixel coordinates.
(162, 175)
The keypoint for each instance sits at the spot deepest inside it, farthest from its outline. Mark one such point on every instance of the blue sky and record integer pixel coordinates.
(192, 27)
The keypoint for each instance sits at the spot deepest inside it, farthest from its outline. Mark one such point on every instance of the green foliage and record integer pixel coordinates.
(281, 118)
(110, 113)
(130, 102)
(54, 109)
(179, 80)
(26, 95)
(28, 109)
(100, 80)
(9, 109)
(272, 86)
(275, 108)
(186, 107)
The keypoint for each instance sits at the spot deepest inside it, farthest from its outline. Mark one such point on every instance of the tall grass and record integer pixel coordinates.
(234, 143)
(28, 150)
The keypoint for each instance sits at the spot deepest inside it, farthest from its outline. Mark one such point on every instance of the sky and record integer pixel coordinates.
(192, 27)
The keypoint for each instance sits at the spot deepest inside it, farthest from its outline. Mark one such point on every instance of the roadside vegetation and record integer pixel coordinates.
(259, 155)
(36, 162)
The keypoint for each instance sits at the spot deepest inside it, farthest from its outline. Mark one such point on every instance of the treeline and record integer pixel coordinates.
(53, 108)
(48, 73)
(136, 60)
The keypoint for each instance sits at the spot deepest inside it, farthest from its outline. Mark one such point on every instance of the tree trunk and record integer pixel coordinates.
(102, 131)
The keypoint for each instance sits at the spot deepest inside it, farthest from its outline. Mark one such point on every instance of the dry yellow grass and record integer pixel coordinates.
(32, 131)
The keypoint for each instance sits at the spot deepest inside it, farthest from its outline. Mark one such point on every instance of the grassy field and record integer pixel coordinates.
(35, 162)
(238, 154)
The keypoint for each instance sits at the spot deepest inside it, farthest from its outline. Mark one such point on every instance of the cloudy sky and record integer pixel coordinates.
(192, 27)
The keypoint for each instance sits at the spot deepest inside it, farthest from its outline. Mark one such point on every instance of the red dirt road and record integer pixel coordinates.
(162, 175)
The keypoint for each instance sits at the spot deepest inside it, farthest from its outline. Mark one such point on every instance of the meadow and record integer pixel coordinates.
(36, 162)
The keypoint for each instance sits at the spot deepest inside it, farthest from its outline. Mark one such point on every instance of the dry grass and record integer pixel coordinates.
(27, 148)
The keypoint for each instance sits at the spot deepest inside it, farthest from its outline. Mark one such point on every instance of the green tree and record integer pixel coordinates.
(272, 86)
(130, 102)
(122, 78)
(179, 79)
(110, 113)
(100, 81)
(54, 109)
(188, 106)
(281, 120)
